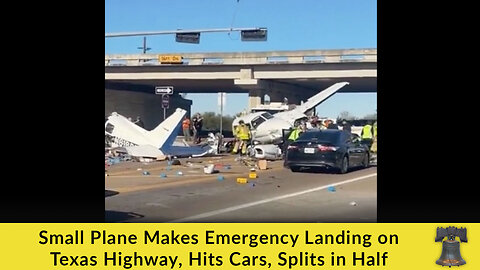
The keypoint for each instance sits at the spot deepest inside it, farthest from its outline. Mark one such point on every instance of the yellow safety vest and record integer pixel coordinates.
(375, 130)
(294, 135)
(242, 132)
(367, 132)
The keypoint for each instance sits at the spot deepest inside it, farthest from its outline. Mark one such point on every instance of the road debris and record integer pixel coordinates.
(331, 189)
(242, 180)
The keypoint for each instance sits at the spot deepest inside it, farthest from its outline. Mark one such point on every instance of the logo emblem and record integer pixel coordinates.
(451, 247)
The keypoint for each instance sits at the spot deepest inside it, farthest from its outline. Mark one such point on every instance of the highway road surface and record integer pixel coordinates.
(276, 195)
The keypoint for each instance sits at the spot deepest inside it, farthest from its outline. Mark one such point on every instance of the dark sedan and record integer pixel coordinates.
(328, 148)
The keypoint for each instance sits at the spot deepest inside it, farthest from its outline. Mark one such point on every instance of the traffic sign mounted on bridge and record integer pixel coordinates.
(165, 101)
(162, 90)
(170, 59)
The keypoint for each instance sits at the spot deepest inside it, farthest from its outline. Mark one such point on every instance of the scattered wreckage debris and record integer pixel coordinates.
(242, 180)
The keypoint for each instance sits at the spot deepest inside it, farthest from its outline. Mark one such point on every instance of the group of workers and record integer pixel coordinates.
(368, 134)
(194, 126)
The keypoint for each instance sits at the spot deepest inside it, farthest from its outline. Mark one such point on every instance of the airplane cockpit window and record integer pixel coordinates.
(109, 128)
(257, 121)
(267, 115)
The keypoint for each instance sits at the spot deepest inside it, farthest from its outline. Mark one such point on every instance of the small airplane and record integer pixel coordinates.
(267, 128)
(138, 142)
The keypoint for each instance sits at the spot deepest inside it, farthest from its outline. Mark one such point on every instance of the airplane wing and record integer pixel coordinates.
(148, 151)
(189, 151)
(299, 111)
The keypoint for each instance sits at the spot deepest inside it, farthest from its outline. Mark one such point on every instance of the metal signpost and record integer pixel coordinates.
(165, 104)
(221, 102)
(165, 91)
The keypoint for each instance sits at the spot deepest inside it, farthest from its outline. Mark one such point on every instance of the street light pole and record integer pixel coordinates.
(151, 33)
(221, 113)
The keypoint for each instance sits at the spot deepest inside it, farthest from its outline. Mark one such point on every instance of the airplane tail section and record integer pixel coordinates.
(166, 132)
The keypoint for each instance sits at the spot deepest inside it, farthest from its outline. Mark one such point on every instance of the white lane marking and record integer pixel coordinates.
(157, 204)
(241, 206)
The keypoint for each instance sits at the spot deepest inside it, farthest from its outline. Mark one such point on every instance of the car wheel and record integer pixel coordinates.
(344, 165)
(366, 160)
(295, 169)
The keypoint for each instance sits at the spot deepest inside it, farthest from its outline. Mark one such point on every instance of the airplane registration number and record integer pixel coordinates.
(122, 143)
(309, 150)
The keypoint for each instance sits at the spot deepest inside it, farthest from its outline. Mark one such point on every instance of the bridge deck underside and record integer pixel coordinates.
(189, 79)
(214, 86)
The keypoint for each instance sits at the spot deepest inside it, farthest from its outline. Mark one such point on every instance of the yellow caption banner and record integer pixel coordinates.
(229, 246)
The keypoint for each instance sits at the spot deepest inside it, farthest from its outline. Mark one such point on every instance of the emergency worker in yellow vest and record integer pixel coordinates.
(374, 144)
(295, 133)
(367, 135)
(242, 135)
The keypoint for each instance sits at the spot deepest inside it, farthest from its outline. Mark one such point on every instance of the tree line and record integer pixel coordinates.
(211, 121)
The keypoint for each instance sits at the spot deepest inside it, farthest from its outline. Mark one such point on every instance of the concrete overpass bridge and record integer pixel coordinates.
(296, 75)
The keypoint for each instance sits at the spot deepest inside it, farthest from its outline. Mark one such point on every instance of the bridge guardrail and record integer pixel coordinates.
(247, 58)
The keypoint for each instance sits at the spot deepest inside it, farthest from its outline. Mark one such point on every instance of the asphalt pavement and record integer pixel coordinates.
(157, 192)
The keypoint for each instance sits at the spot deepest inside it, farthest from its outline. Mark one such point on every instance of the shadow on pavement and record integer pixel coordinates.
(109, 193)
(117, 216)
(324, 170)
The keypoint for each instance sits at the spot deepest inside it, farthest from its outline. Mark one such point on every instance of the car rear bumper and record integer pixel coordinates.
(317, 163)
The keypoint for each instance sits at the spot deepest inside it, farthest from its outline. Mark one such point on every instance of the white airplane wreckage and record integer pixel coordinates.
(267, 129)
(122, 134)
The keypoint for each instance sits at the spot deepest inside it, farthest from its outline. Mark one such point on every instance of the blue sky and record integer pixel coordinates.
(292, 25)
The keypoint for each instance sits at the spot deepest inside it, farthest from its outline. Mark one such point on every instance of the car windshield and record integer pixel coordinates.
(320, 136)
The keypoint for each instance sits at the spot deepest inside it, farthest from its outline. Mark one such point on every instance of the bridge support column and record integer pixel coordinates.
(255, 98)
(278, 91)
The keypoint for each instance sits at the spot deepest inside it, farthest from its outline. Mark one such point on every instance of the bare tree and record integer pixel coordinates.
(346, 116)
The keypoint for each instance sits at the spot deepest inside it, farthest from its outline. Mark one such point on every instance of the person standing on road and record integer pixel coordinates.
(186, 128)
(197, 125)
(242, 135)
(367, 134)
(346, 126)
(373, 149)
(332, 125)
(294, 134)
